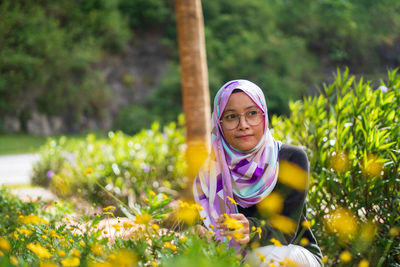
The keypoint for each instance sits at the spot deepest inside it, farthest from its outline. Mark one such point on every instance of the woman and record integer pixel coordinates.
(242, 170)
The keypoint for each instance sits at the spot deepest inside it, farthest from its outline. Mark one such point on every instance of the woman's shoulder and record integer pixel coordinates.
(294, 154)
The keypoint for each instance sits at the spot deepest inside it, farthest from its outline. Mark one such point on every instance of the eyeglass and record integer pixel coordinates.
(232, 121)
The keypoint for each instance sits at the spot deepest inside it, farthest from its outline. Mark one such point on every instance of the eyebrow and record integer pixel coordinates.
(233, 110)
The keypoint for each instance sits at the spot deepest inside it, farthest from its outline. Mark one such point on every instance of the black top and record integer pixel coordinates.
(293, 207)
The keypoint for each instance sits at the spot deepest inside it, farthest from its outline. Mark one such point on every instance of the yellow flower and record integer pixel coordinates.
(127, 225)
(304, 241)
(61, 253)
(276, 242)
(32, 219)
(143, 218)
(109, 208)
(363, 263)
(44, 237)
(152, 193)
(13, 260)
(283, 223)
(183, 239)
(211, 232)
(89, 171)
(232, 223)
(211, 226)
(261, 256)
(154, 263)
(71, 262)
(292, 175)
(122, 258)
(187, 213)
(272, 204)
(155, 227)
(342, 221)
(306, 224)
(76, 253)
(237, 235)
(97, 249)
(232, 200)
(82, 244)
(373, 165)
(345, 256)
(340, 162)
(117, 227)
(108, 213)
(254, 245)
(325, 259)
(4, 244)
(259, 231)
(40, 251)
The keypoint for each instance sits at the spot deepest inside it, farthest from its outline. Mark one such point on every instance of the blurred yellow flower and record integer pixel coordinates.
(394, 231)
(76, 253)
(254, 245)
(363, 263)
(292, 175)
(88, 171)
(261, 256)
(283, 223)
(372, 165)
(306, 224)
(345, 256)
(117, 227)
(183, 239)
(61, 253)
(324, 259)
(368, 232)
(48, 264)
(304, 241)
(259, 231)
(82, 244)
(109, 208)
(108, 213)
(187, 213)
(342, 221)
(143, 218)
(97, 249)
(196, 154)
(154, 263)
(276, 242)
(155, 227)
(4, 244)
(127, 225)
(340, 162)
(211, 232)
(237, 235)
(71, 262)
(232, 223)
(232, 200)
(270, 205)
(32, 219)
(13, 260)
(40, 251)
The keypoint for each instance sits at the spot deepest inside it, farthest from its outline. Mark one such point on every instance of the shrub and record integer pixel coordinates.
(122, 164)
(350, 133)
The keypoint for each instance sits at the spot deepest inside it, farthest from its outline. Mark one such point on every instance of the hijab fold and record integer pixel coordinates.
(246, 177)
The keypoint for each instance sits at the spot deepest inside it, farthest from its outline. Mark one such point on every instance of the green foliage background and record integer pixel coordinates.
(48, 50)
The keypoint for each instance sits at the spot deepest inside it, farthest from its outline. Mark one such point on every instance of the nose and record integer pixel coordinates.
(243, 124)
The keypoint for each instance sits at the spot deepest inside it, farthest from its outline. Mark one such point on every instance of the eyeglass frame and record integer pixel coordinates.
(240, 116)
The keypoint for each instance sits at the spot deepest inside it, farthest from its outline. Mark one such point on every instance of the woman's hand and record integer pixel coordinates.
(243, 232)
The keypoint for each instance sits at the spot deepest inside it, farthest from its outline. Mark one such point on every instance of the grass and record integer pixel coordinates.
(24, 143)
(20, 143)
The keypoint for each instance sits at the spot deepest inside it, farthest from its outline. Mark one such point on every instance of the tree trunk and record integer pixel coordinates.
(194, 77)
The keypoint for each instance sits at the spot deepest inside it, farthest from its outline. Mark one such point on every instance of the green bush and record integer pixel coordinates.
(350, 133)
(122, 164)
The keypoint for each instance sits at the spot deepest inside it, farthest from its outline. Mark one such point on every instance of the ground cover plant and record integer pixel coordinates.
(350, 133)
(122, 164)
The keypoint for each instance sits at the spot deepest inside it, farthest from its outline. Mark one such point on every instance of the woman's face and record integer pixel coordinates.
(245, 136)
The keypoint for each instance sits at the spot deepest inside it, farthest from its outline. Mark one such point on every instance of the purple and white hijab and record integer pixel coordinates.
(245, 176)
